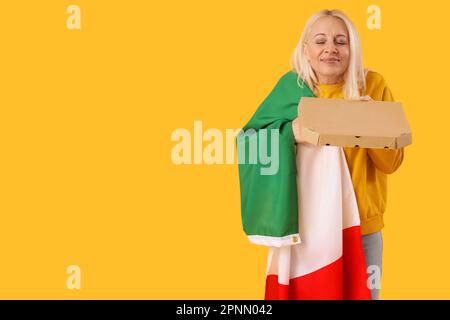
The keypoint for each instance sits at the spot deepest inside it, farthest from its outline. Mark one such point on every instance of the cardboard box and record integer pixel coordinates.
(351, 123)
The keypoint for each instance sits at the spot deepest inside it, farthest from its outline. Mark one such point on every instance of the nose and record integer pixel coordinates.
(331, 48)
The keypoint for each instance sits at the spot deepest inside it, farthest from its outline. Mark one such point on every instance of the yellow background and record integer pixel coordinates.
(86, 176)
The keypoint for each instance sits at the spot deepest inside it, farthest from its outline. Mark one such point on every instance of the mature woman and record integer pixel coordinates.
(327, 63)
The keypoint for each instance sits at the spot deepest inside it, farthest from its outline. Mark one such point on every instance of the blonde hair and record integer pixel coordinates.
(355, 75)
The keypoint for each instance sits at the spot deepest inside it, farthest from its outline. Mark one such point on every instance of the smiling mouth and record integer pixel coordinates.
(333, 60)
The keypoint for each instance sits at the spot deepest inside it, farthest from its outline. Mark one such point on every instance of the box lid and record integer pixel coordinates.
(354, 123)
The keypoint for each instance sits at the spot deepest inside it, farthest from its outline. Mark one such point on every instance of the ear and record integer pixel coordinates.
(306, 52)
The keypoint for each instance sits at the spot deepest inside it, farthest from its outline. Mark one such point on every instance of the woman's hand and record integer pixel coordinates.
(366, 98)
(296, 131)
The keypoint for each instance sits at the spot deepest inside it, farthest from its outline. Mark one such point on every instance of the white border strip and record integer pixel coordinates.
(275, 241)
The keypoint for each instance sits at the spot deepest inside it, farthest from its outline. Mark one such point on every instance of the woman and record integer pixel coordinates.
(327, 63)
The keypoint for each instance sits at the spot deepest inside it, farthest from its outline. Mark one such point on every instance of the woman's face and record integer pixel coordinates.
(327, 49)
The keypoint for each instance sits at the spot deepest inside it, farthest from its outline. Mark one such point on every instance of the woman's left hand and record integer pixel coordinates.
(366, 98)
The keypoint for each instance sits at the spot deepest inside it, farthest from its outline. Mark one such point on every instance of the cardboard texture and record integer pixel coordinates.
(352, 123)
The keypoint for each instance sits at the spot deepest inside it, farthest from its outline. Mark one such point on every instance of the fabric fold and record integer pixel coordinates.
(269, 207)
(330, 262)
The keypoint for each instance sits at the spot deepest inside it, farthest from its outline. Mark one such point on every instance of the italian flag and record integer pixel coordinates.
(328, 262)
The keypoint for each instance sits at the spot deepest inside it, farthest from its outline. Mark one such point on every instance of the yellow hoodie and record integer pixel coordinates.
(369, 167)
